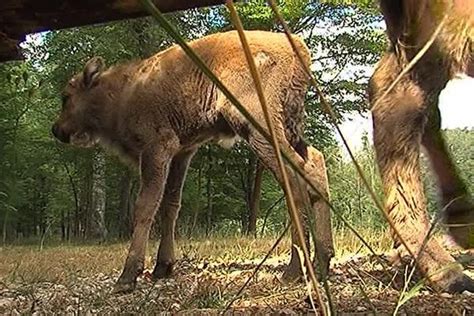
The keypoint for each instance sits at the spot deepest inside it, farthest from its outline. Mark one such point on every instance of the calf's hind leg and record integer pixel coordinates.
(315, 167)
(266, 153)
(315, 210)
(169, 208)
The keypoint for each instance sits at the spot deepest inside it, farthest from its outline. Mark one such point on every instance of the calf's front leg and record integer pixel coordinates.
(154, 166)
(169, 209)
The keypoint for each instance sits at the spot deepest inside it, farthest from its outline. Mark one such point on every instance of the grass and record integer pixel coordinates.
(56, 263)
(78, 278)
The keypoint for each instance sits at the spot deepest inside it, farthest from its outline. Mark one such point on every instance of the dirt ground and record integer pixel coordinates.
(65, 281)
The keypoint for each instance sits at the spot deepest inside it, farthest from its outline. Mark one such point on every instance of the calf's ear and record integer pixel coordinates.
(92, 71)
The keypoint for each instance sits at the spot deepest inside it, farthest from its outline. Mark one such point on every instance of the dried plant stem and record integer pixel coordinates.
(274, 142)
(284, 151)
(257, 268)
(328, 108)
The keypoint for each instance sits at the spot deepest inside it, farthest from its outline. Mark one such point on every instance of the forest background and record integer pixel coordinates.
(51, 193)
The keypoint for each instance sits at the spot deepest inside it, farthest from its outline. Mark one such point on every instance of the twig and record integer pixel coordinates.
(287, 153)
(364, 293)
(257, 268)
(412, 62)
(267, 213)
(329, 110)
(286, 184)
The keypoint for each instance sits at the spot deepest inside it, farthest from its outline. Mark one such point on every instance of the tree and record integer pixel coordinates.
(52, 190)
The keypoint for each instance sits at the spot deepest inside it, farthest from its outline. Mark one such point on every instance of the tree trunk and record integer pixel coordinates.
(5, 226)
(75, 224)
(124, 213)
(84, 214)
(63, 226)
(68, 225)
(197, 206)
(247, 181)
(209, 193)
(254, 205)
(97, 226)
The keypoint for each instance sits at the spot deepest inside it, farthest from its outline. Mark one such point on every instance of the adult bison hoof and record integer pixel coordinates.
(459, 217)
(163, 270)
(122, 287)
(461, 284)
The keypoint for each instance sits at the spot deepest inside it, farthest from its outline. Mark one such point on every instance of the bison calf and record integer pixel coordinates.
(157, 112)
(408, 116)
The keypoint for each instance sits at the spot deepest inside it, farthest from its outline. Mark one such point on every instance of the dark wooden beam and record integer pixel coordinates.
(21, 17)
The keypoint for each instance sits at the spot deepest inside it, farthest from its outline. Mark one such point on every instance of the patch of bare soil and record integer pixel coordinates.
(359, 285)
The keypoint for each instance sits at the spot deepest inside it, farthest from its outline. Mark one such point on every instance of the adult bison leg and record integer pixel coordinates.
(154, 166)
(168, 211)
(398, 128)
(458, 209)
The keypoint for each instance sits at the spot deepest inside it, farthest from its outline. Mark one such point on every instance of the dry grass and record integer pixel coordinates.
(58, 263)
(78, 278)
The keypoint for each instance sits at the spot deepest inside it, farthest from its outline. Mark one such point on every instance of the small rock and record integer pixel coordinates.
(5, 302)
(15, 312)
(446, 295)
(175, 306)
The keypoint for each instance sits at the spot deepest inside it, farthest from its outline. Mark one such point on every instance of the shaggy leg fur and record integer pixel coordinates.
(399, 122)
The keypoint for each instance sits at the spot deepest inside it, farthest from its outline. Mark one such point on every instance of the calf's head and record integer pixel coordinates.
(82, 105)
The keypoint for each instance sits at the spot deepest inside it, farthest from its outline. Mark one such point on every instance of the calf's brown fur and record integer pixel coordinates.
(158, 111)
(409, 117)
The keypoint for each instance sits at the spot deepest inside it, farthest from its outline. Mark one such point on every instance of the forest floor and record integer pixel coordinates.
(77, 279)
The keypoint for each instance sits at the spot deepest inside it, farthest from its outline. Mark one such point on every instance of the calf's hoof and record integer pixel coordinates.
(459, 217)
(291, 274)
(123, 287)
(163, 270)
(397, 256)
(323, 265)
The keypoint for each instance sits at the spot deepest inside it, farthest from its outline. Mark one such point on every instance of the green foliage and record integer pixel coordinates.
(460, 143)
(348, 192)
(45, 186)
(359, 3)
